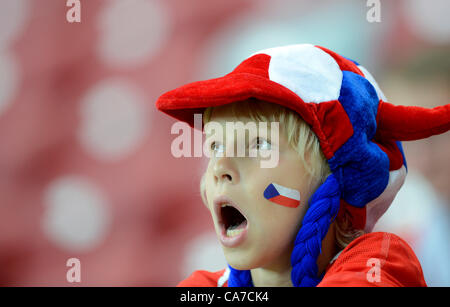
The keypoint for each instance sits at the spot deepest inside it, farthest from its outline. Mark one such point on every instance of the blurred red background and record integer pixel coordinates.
(85, 164)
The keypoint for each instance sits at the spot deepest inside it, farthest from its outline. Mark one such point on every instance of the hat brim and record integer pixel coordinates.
(185, 101)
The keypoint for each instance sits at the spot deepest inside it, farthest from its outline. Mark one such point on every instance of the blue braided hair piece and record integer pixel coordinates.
(239, 278)
(323, 207)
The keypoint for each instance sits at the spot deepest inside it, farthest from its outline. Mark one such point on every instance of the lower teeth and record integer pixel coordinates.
(233, 232)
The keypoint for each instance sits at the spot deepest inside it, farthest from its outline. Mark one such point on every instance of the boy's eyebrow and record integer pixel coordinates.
(267, 135)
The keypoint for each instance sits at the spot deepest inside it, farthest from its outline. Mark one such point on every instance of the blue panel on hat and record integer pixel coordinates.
(360, 166)
(399, 145)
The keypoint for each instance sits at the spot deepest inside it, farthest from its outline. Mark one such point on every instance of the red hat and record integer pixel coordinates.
(359, 132)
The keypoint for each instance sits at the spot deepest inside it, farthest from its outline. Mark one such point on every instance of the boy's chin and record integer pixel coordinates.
(239, 259)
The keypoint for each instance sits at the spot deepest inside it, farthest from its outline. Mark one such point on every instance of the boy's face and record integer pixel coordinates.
(264, 231)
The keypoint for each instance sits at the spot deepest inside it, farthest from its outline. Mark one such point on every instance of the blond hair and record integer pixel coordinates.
(303, 140)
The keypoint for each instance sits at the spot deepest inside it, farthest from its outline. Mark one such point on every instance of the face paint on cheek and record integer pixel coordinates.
(282, 195)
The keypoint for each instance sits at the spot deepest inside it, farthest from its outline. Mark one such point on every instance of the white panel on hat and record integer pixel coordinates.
(377, 207)
(306, 70)
(372, 81)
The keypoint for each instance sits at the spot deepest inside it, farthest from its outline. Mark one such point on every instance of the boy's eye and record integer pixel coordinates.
(262, 144)
(217, 147)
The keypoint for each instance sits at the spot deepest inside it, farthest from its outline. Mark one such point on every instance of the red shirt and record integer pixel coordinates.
(376, 259)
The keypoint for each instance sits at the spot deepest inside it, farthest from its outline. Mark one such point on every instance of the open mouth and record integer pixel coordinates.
(232, 220)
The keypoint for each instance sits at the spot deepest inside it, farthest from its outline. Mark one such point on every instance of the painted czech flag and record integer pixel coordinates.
(282, 195)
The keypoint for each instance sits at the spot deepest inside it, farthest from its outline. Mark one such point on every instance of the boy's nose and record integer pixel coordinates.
(225, 171)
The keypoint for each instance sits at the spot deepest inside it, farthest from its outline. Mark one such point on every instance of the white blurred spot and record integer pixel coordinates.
(76, 215)
(203, 253)
(12, 16)
(131, 31)
(8, 80)
(429, 19)
(113, 120)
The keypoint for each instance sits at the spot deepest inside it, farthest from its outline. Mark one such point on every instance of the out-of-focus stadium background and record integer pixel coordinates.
(85, 164)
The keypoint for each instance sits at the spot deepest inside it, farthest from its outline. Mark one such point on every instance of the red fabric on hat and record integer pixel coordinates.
(332, 113)
(408, 123)
(243, 83)
(255, 65)
(392, 151)
(388, 145)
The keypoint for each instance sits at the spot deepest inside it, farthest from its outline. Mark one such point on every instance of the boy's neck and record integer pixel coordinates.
(279, 274)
